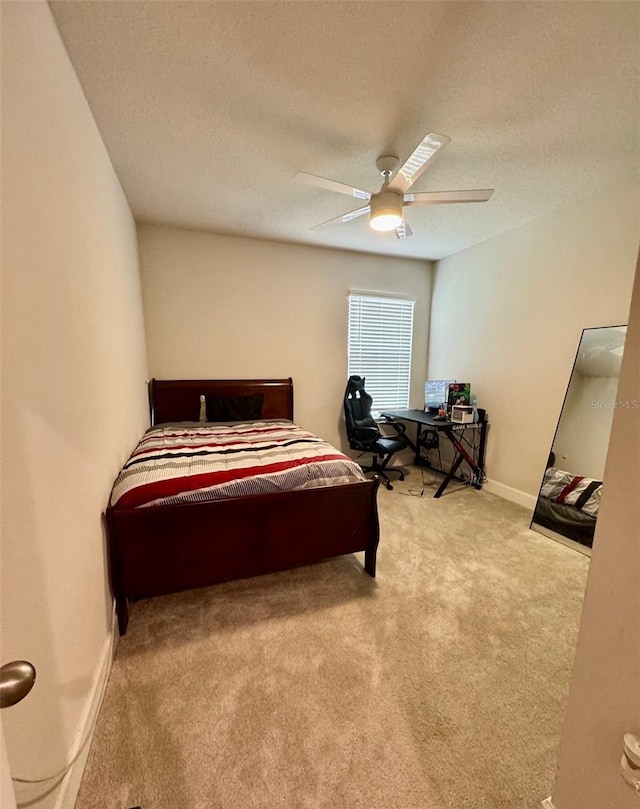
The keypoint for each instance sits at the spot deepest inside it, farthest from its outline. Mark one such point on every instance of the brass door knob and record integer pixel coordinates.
(16, 680)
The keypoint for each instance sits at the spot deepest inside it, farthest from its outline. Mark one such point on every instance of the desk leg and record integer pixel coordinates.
(454, 468)
(462, 455)
(481, 453)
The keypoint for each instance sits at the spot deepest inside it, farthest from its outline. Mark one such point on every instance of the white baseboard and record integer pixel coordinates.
(70, 784)
(547, 803)
(509, 493)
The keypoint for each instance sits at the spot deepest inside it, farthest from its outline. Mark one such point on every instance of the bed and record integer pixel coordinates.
(568, 504)
(164, 545)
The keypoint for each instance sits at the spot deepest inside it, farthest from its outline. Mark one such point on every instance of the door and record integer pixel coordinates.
(7, 796)
(603, 699)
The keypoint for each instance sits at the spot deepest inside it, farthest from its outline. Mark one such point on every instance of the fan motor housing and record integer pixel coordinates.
(386, 203)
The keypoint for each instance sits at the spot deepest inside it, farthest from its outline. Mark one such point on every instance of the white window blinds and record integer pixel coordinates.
(380, 332)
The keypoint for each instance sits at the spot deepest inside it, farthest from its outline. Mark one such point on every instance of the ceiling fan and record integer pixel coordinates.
(387, 205)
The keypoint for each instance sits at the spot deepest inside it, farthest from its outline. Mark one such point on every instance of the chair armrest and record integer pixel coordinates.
(398, 426)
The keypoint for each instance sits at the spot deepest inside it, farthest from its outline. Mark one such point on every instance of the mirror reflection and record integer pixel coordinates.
(569, 497)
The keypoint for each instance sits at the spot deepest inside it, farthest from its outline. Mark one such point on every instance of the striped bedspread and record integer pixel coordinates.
(183, 463)
(572, 490)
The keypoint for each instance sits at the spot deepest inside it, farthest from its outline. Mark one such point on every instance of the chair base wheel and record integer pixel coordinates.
(384, 474)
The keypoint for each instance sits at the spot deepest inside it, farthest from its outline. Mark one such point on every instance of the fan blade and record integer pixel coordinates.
(346, 217)
(445, 197)
(417, 161)
(404, 231)
(332, 185)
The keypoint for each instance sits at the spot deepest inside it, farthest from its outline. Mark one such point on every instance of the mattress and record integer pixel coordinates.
(194, 462)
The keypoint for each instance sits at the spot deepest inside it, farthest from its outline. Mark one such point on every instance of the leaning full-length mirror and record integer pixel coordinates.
(569, 498)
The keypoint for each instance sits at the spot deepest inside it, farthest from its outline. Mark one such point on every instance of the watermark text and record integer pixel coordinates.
(615, 404)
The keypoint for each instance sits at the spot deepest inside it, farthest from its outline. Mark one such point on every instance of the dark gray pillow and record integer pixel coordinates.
(235, 408)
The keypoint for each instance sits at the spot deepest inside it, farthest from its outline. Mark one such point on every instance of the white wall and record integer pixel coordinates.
(507, 315)
(580, 445)
(230, 307)
(604, 696)
(73, 392)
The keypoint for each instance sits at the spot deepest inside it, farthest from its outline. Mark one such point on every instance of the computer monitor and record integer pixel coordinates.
(435, 393)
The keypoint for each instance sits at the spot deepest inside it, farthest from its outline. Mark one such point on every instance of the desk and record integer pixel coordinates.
(451, 429)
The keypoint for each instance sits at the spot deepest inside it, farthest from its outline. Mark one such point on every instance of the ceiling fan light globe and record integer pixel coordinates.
(386, 211)
(385, 221)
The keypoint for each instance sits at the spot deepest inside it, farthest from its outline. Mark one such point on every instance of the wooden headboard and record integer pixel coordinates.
(179, 399)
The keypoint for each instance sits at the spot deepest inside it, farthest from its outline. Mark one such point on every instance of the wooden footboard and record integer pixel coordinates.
(163, 549)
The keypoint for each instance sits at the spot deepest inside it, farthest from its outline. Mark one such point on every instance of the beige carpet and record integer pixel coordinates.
(440, 685)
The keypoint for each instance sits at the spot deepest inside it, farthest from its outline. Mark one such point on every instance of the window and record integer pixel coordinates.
(380, 332)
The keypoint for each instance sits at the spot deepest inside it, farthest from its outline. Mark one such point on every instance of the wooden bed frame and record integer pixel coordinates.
(166, 548)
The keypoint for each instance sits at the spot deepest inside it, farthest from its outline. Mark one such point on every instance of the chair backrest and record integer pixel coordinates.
(361, 426)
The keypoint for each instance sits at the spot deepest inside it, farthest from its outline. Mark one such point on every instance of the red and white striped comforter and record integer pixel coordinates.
(179, 463)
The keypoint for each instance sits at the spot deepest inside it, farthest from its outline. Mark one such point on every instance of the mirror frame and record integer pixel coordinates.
(541, 529)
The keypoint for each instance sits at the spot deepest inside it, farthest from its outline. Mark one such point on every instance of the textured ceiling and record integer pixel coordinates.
(209, 109)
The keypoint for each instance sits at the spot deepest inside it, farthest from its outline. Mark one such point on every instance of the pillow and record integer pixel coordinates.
(572, 490)
(235, 408)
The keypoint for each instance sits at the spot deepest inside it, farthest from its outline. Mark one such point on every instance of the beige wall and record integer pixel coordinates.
(580, 445)
(507, 316)
(604, 697)
(224, 306)
(73, 393)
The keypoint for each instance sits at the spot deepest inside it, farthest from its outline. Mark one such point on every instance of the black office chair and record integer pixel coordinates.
(364, 434)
